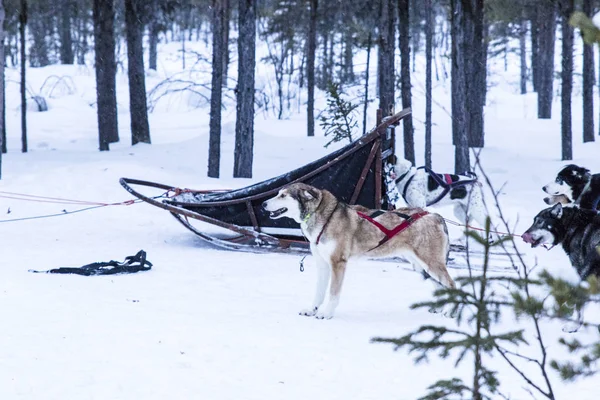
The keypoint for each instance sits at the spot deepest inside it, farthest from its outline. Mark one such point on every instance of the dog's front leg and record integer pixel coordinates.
(323, 273)
(338, 269)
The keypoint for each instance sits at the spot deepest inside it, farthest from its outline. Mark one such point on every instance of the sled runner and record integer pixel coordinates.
(355, 174)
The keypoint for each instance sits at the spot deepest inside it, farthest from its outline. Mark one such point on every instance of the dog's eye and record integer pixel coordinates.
(559, 180)
(283, 195)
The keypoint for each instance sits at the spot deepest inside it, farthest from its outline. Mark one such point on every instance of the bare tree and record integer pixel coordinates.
(22, 23)
(460, 118)
(310, 67)
(66, 40)
(567, 8)
(404, 24)
(134, 17)
(214, 141)
(244, 124)
(2, 99)
(546, 18)
(386, 57)
(588, 83)
(106, 69)
(523, 52)
(429, 27)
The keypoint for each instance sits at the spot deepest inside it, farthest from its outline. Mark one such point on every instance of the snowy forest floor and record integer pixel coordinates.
(212, 324)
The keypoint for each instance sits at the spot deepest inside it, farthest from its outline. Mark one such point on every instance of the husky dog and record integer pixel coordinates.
(579, 232)
(338, 232)
(420, 189)
(577, 185)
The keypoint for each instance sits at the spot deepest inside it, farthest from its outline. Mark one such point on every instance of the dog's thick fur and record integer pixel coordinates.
(578, 231)
(577, 185)
(422, 189)
(342, 234)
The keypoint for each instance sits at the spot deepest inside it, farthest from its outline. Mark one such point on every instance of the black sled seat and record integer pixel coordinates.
(353, 174)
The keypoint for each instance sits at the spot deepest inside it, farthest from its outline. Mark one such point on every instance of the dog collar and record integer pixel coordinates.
(306, 218)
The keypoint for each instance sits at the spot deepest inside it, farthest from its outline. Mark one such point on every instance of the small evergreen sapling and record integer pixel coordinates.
(338, 120)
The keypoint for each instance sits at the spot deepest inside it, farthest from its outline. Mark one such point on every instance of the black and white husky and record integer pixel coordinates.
(578, 231)
(577, 185)
(421, 188)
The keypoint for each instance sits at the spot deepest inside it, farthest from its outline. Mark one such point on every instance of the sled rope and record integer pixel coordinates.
(479, 229)
(132, 264)
(51, 200)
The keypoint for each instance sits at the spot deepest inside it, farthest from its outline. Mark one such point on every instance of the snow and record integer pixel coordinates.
(207, 323)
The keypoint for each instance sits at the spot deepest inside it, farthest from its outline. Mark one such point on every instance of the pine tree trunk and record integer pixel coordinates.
(227, 6)
(523, 54)
(66, 40)
(535, 48)
(214, 142)
(37, 23)
(2, 97)
(460, 120)
(545, 58)
(22, 23)
(386, 57)
(153, 31)
(476, 62)
(244, 124)
(348, 62)
(140, 129)
(567, 7)
(588, 83)
(310, 67)
(407, 123)
(106, 69)
(366, 102)
(429, 27)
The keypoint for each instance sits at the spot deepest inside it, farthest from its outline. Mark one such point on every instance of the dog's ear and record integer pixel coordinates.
(310, 194)
(557, 210)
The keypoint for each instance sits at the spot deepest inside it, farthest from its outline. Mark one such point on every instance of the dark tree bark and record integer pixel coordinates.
(407, 123)
(2, 97)
(227, 6)
(386, 57)
(475, 69)
(244, 124)
(588, 83)
(310, 67)
(429, 27)
(22, 23)
(214, 142)
(366, 103)
(38, 22)
(545, 57)
(523, 54)
(567, 8)
(106, 69)
(134, 16)
(153, 31)
(460, 120)
(66, 40)
(535, 47)
(348, 62)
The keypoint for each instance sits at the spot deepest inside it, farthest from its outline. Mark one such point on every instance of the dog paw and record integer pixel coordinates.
(571, 327)
(309, 312)
(324, 314)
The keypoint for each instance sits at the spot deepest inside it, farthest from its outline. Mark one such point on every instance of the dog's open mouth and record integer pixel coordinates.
(536, 243)
(277, 213)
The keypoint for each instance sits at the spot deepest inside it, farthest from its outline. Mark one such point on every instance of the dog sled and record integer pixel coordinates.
(354, 174)
(235, 219)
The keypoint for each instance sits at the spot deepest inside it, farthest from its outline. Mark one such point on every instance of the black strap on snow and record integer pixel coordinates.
(131, 265)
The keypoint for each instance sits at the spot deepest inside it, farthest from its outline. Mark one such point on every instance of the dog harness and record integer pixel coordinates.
(444, 180)
(390, 233)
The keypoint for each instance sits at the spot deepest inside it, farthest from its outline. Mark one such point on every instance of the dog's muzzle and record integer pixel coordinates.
(528, 238)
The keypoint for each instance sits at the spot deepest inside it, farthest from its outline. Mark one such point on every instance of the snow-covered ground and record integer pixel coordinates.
(212, 324)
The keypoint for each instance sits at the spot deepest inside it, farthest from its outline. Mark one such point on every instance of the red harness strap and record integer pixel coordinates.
(448, 179)
(390, 233)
